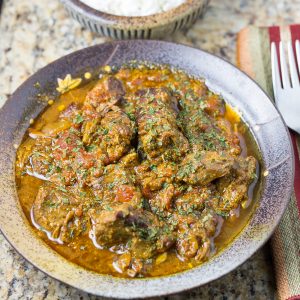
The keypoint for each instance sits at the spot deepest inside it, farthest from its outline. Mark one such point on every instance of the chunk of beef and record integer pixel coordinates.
(193, 199)
(72, 162)
(117, 185)
(204, 167)
(44, 160)
(137, 231)
(195, 233)
(187, 90)
(73, 156)
(35, 159)
(63, 160)
(157, 128)
(108, 91)
(162, 201)
(204, 131)
(119, 224)
(70, 112)
(130, 265)
(197, 125)
(153, 175)
(109, 228)
(114, 136)
(193, 93)
(234, 186)
(115, 87)
(59, 213)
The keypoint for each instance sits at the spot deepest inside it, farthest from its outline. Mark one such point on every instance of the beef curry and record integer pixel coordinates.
(143, 172)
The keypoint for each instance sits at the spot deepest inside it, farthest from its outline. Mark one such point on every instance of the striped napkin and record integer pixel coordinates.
(253, 57)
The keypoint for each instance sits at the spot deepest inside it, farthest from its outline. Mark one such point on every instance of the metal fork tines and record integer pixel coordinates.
(286, 83)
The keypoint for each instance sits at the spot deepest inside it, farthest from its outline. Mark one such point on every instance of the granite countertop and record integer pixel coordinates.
(34, 33)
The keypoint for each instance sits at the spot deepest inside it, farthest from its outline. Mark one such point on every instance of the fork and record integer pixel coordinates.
(286, 84)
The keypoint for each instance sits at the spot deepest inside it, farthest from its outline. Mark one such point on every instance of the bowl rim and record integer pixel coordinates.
(120, 288)
(138, 22)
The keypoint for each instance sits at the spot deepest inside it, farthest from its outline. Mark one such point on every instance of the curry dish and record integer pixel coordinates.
(143, 172)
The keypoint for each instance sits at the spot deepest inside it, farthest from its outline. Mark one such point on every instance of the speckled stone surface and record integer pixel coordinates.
(34, 33)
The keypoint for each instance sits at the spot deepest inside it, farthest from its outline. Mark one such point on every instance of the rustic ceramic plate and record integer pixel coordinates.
(239, 90)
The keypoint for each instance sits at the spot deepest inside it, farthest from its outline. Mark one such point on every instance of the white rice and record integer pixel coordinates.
(133, 7)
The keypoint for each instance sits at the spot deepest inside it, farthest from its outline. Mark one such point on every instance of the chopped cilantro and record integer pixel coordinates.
(153, 167)
(111, 185)
(105, 131)
(61, 188)
(90, 148)
(76, 149)
(78, 119)
(65, 201)
(107, 207)
(222, 213)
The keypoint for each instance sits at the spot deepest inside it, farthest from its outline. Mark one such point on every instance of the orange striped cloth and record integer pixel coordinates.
(253, 57)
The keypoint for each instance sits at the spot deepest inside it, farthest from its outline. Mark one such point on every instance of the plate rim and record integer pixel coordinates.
(174, 277)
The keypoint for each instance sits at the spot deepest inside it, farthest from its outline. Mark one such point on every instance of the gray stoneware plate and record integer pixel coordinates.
(238, 90)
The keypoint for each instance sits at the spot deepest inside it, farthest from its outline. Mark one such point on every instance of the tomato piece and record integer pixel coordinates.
(125, 193)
